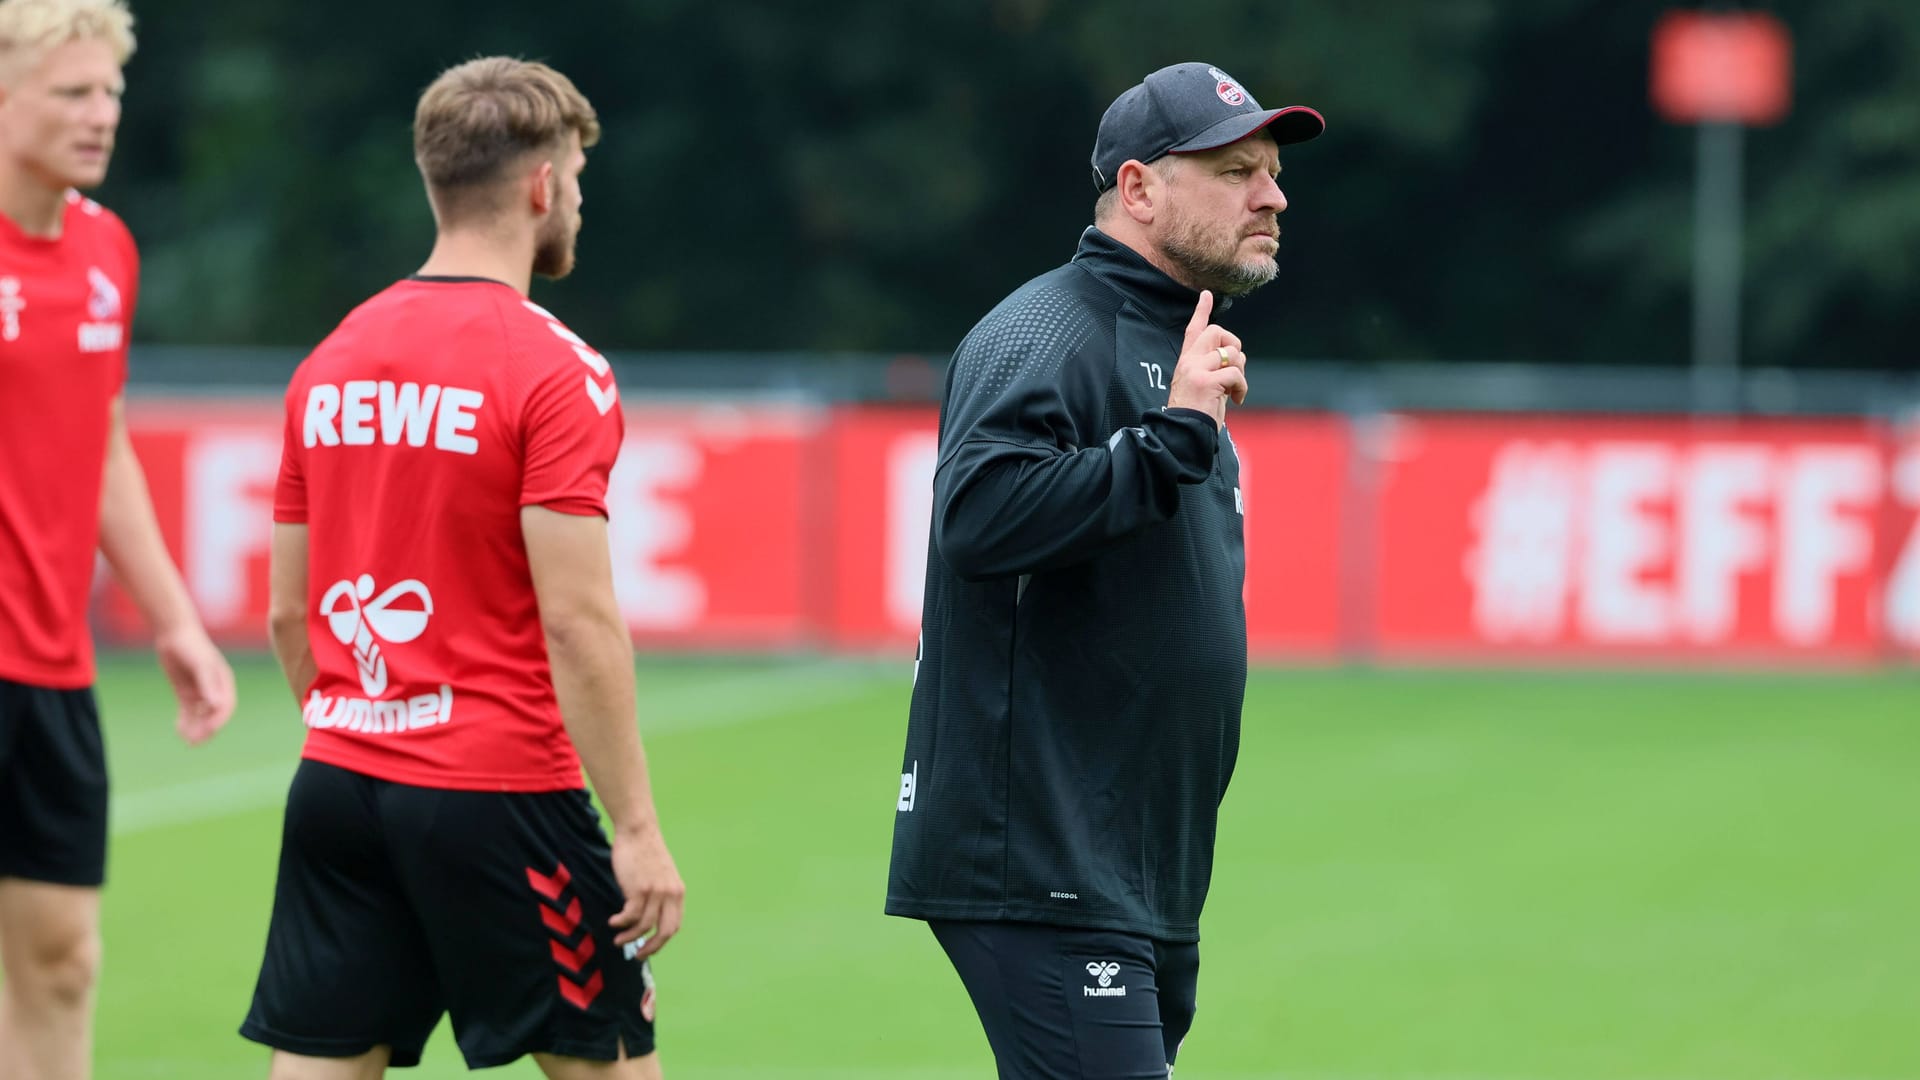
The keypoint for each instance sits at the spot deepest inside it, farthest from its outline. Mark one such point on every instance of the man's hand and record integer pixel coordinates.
(655, 894)
(201, 680)
(1211, 369)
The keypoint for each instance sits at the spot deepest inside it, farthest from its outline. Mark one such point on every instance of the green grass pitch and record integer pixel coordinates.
(1421, 876)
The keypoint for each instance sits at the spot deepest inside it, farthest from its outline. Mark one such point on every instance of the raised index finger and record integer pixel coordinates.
(1202, 312)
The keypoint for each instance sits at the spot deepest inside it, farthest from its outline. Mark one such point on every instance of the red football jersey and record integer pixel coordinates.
(415, 434)
(65, 305)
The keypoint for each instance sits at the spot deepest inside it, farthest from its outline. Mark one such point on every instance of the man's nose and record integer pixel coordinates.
(1268, 197)
(103, 110)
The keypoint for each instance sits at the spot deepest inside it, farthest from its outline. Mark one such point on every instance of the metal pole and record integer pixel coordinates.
(1716, 267)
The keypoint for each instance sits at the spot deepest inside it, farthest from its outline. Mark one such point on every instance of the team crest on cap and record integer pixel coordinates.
(1229, 90)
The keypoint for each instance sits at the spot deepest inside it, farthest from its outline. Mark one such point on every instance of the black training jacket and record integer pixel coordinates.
(1083, 655)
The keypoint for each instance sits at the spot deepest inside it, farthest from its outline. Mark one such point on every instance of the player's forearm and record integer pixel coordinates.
(1002, 508)
(592, 662)
(131, 541)
(292, 648)
(287, 606)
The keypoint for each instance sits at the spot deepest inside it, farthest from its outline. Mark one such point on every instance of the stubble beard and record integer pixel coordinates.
(553, 251)
(1210, 263)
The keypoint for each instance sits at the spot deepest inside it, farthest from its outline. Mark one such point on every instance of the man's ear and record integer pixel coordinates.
(1142, 190)
(544, 188)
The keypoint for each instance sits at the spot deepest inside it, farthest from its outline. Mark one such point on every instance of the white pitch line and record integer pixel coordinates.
(214, 796)
(448, 1065)
(721, 701)
(735, 699)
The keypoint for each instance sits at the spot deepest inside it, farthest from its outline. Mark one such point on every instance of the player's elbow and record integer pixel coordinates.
(981, 527)
(583, 630)
(286, 623)
(966, 548)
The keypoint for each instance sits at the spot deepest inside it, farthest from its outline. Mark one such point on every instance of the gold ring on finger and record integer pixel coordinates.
(1226, 356)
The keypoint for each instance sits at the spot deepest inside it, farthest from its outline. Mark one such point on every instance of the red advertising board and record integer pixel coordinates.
(705, 525)
(1293, 471)
(1414, 537)
(1901, 563)
(210, 466)
(705, 510)
(881, 463)
(1630, 539)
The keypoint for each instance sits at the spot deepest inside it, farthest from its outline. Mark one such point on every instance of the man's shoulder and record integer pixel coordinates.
(1061, 312)
(544, 339)
(1066, 290)
(92, 221)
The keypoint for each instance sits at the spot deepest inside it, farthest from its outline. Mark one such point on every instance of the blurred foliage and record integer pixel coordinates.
(868, 174)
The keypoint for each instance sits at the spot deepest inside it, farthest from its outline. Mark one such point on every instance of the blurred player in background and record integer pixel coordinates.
(1076, 706)
(442, 604)
(69, 485)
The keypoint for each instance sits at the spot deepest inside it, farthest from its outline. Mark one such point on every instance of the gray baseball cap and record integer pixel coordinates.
(1187, 108)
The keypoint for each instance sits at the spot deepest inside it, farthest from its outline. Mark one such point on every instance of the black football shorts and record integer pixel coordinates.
(1060, 1003)
(53, 786)
(397, 903)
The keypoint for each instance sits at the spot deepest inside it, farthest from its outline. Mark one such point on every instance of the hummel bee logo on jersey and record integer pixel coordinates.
(355, 625)
(1104, 971)
(362, 621)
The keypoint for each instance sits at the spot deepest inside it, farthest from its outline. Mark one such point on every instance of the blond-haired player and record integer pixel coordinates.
(69, 485)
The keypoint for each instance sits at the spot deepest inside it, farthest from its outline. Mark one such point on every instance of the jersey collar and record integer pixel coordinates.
(456, 279)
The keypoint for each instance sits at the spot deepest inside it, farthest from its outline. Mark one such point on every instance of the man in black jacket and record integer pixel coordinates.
(1076, 706)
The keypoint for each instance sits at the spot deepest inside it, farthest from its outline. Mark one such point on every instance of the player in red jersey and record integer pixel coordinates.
(443, 606)
(69, 485)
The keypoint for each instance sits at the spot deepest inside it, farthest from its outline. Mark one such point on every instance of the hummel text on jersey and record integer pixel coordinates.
(360, 412)
(378, 717)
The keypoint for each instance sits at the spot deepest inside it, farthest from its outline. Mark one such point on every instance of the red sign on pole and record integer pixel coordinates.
(1730, 67)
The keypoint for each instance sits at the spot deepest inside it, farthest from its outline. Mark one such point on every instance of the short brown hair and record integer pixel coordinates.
(482, 116)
